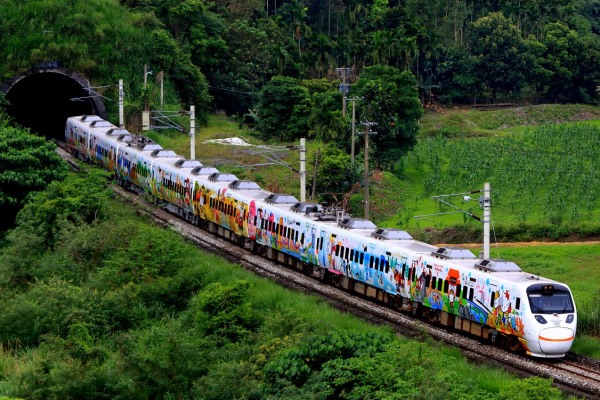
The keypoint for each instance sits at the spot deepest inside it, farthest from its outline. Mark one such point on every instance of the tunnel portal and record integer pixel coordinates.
(43, 99)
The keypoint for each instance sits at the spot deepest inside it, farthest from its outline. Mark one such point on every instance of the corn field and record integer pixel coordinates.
(550, 174)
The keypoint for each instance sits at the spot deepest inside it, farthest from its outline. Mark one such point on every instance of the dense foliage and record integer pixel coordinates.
(454, 52)
(27, 163)
(120, 309)
(457, 50)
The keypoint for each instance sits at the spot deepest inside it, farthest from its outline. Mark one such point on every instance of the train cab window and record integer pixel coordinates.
(550, 299)
(471, 294)
(446, 285)
(518, 303)
(458, 287)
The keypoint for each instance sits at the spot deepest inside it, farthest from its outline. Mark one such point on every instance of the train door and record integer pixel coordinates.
(323, 249)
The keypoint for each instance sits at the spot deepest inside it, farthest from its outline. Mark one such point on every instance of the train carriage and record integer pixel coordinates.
(488, 298)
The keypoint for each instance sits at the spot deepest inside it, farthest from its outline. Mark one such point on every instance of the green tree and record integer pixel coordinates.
(561, 59)
(28, 163)
(391, 100)
(283, 109)
(501, 58)
(336, 175)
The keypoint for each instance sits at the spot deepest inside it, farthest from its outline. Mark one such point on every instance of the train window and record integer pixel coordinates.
(458, 290)
(464, 293)
(347, 252)
(387, 266)
(351, 254)
(427, 280)
(433, 282)
(362, 257)
(440, 283)
(285, 232)
(518, 303)
(301, 238)
(377, 264)
(403, 270)
(371, 262)
(471, 294)
(446, 285)
(337, 250)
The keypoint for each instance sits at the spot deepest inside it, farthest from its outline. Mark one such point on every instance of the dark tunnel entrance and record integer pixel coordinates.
(43, 100)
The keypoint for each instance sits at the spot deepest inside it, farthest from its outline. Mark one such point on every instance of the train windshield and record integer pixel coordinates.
(550, 299)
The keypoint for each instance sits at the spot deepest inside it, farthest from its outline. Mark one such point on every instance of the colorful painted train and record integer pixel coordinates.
(489, 298)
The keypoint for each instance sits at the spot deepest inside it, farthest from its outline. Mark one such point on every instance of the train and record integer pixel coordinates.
(492, 299)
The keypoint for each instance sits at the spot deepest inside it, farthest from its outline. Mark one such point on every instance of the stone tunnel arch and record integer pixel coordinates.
(43, 99)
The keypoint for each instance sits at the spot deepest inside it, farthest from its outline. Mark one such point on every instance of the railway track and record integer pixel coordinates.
(577, 375)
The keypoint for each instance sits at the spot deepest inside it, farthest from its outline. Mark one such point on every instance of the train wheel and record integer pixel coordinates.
(513, 344)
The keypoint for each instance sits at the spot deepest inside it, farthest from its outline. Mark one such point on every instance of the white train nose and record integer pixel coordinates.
(556, 340)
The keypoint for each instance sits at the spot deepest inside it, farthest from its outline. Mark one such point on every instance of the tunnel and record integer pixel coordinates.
(42, 100)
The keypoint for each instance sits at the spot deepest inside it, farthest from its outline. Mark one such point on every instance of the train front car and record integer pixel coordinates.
(551, 322)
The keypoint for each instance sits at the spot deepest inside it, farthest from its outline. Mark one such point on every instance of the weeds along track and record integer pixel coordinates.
(575, 375)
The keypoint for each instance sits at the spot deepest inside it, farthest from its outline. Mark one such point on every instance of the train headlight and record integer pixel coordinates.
(570, 318)
(541, 319)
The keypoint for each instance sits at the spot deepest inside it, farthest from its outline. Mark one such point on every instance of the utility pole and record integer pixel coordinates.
(344, 87)
(161, 76)
(314, 185)
(302, 169)
(486, 220)
(146, 112)
(367, 132)
(121, 112)
(353, 100)
(192, 132)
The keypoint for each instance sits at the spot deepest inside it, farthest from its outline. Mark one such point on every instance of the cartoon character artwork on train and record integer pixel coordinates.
(251, 220)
